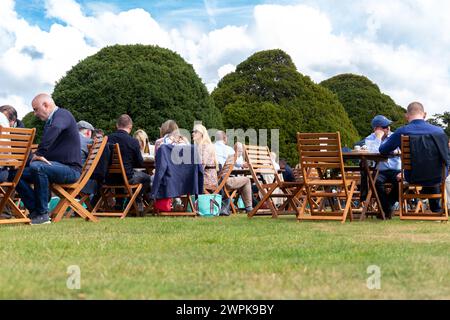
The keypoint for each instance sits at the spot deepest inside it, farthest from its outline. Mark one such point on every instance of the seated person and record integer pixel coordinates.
(288, 174)
(85, 130)
(7, 120)
(223, 150)
(57, 159)
(243, 184)
(131, 157)
(146, 149)
(417, 126)
(239, 150)
(389, 170)
(170, 134)
(207, 154)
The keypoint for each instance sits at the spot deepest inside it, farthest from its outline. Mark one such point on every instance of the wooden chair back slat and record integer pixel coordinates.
(261, 167)
(407, 192)
(318, 153)
(69, 192)
(120, 189)
(15, 146)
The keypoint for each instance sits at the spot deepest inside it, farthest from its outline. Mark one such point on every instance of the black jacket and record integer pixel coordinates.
(428, 152)
(129, 150)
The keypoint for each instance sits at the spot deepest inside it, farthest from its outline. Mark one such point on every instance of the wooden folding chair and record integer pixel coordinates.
(68, 193)
(260, 163)
(122, 189)
(223, 176)
(322, 151)
(409, 192)
(15, 146)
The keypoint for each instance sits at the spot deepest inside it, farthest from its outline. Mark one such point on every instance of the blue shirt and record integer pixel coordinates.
(373, 144)
(414, 128)
(222, 152)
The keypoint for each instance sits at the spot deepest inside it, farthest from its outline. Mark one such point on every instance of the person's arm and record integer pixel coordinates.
(391, 143)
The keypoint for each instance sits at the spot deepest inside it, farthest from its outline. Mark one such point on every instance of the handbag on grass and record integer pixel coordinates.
(207, 205)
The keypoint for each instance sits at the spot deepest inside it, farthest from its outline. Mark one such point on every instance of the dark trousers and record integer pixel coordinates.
(387, 200)
(435, 205)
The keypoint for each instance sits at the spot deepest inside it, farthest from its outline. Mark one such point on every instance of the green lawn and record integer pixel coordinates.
(225, 258)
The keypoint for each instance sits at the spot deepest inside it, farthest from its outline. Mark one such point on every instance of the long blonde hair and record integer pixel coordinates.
(205, 140)
(205, 136)
(141, 136)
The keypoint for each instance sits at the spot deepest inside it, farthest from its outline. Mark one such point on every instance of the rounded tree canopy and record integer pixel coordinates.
(267, 92)
(363, 100)
(149, 83)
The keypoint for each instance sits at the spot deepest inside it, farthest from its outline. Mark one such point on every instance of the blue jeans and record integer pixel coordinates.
(41, 175)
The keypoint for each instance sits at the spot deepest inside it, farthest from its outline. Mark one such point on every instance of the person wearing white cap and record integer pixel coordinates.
(388, 170)
(85, 129)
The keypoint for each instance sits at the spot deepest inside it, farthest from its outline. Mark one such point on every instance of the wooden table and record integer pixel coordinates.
(372, 173)
(149, 165)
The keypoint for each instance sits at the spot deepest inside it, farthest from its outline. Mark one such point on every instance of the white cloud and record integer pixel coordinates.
(225, 69)
(403, 46)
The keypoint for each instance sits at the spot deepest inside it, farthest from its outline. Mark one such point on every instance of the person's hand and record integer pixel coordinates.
(379, 134)
(41, 158)
(399, 177)
(245, 165)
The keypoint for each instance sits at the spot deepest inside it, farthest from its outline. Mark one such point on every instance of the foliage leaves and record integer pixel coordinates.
(363, 100)
(267, 92)
(30, 121)
(149, 83)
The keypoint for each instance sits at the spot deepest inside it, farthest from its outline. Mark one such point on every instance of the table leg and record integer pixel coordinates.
(372, 189)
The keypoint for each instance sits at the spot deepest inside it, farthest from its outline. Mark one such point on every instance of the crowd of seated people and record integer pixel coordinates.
(65, 147)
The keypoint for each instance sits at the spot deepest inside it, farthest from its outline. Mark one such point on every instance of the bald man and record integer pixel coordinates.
(57, 159)
(417, 126)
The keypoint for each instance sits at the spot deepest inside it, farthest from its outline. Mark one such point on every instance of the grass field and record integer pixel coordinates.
(225, 258)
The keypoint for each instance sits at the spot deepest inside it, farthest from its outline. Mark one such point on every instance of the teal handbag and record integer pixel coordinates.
(207, 205)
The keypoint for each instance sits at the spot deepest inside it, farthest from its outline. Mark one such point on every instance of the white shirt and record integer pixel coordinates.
(4, 122)
(223, 151)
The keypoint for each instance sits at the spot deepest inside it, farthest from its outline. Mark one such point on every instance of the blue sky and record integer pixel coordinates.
(401, 45)
(171, 13)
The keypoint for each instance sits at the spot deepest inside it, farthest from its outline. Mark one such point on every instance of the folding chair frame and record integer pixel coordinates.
(322, 151)
(69, 192)
(419, 213)
(15, 146)
(260, 162)
(131, 191)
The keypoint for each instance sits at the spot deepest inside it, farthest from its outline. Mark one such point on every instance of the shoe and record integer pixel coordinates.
(5, 215)
(248, 209)
(40, 219)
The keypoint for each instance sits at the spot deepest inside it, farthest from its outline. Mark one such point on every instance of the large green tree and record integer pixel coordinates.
(31, 121)
(149, 83)
(267, 92)
(442, 120)
(363, 100)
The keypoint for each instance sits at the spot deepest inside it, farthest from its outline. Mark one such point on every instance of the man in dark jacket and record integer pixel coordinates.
(417, 127)
(131, 156)
(57, 159)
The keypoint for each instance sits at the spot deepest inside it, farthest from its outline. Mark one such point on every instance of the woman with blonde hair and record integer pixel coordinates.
(207, 155)
(141, 136)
